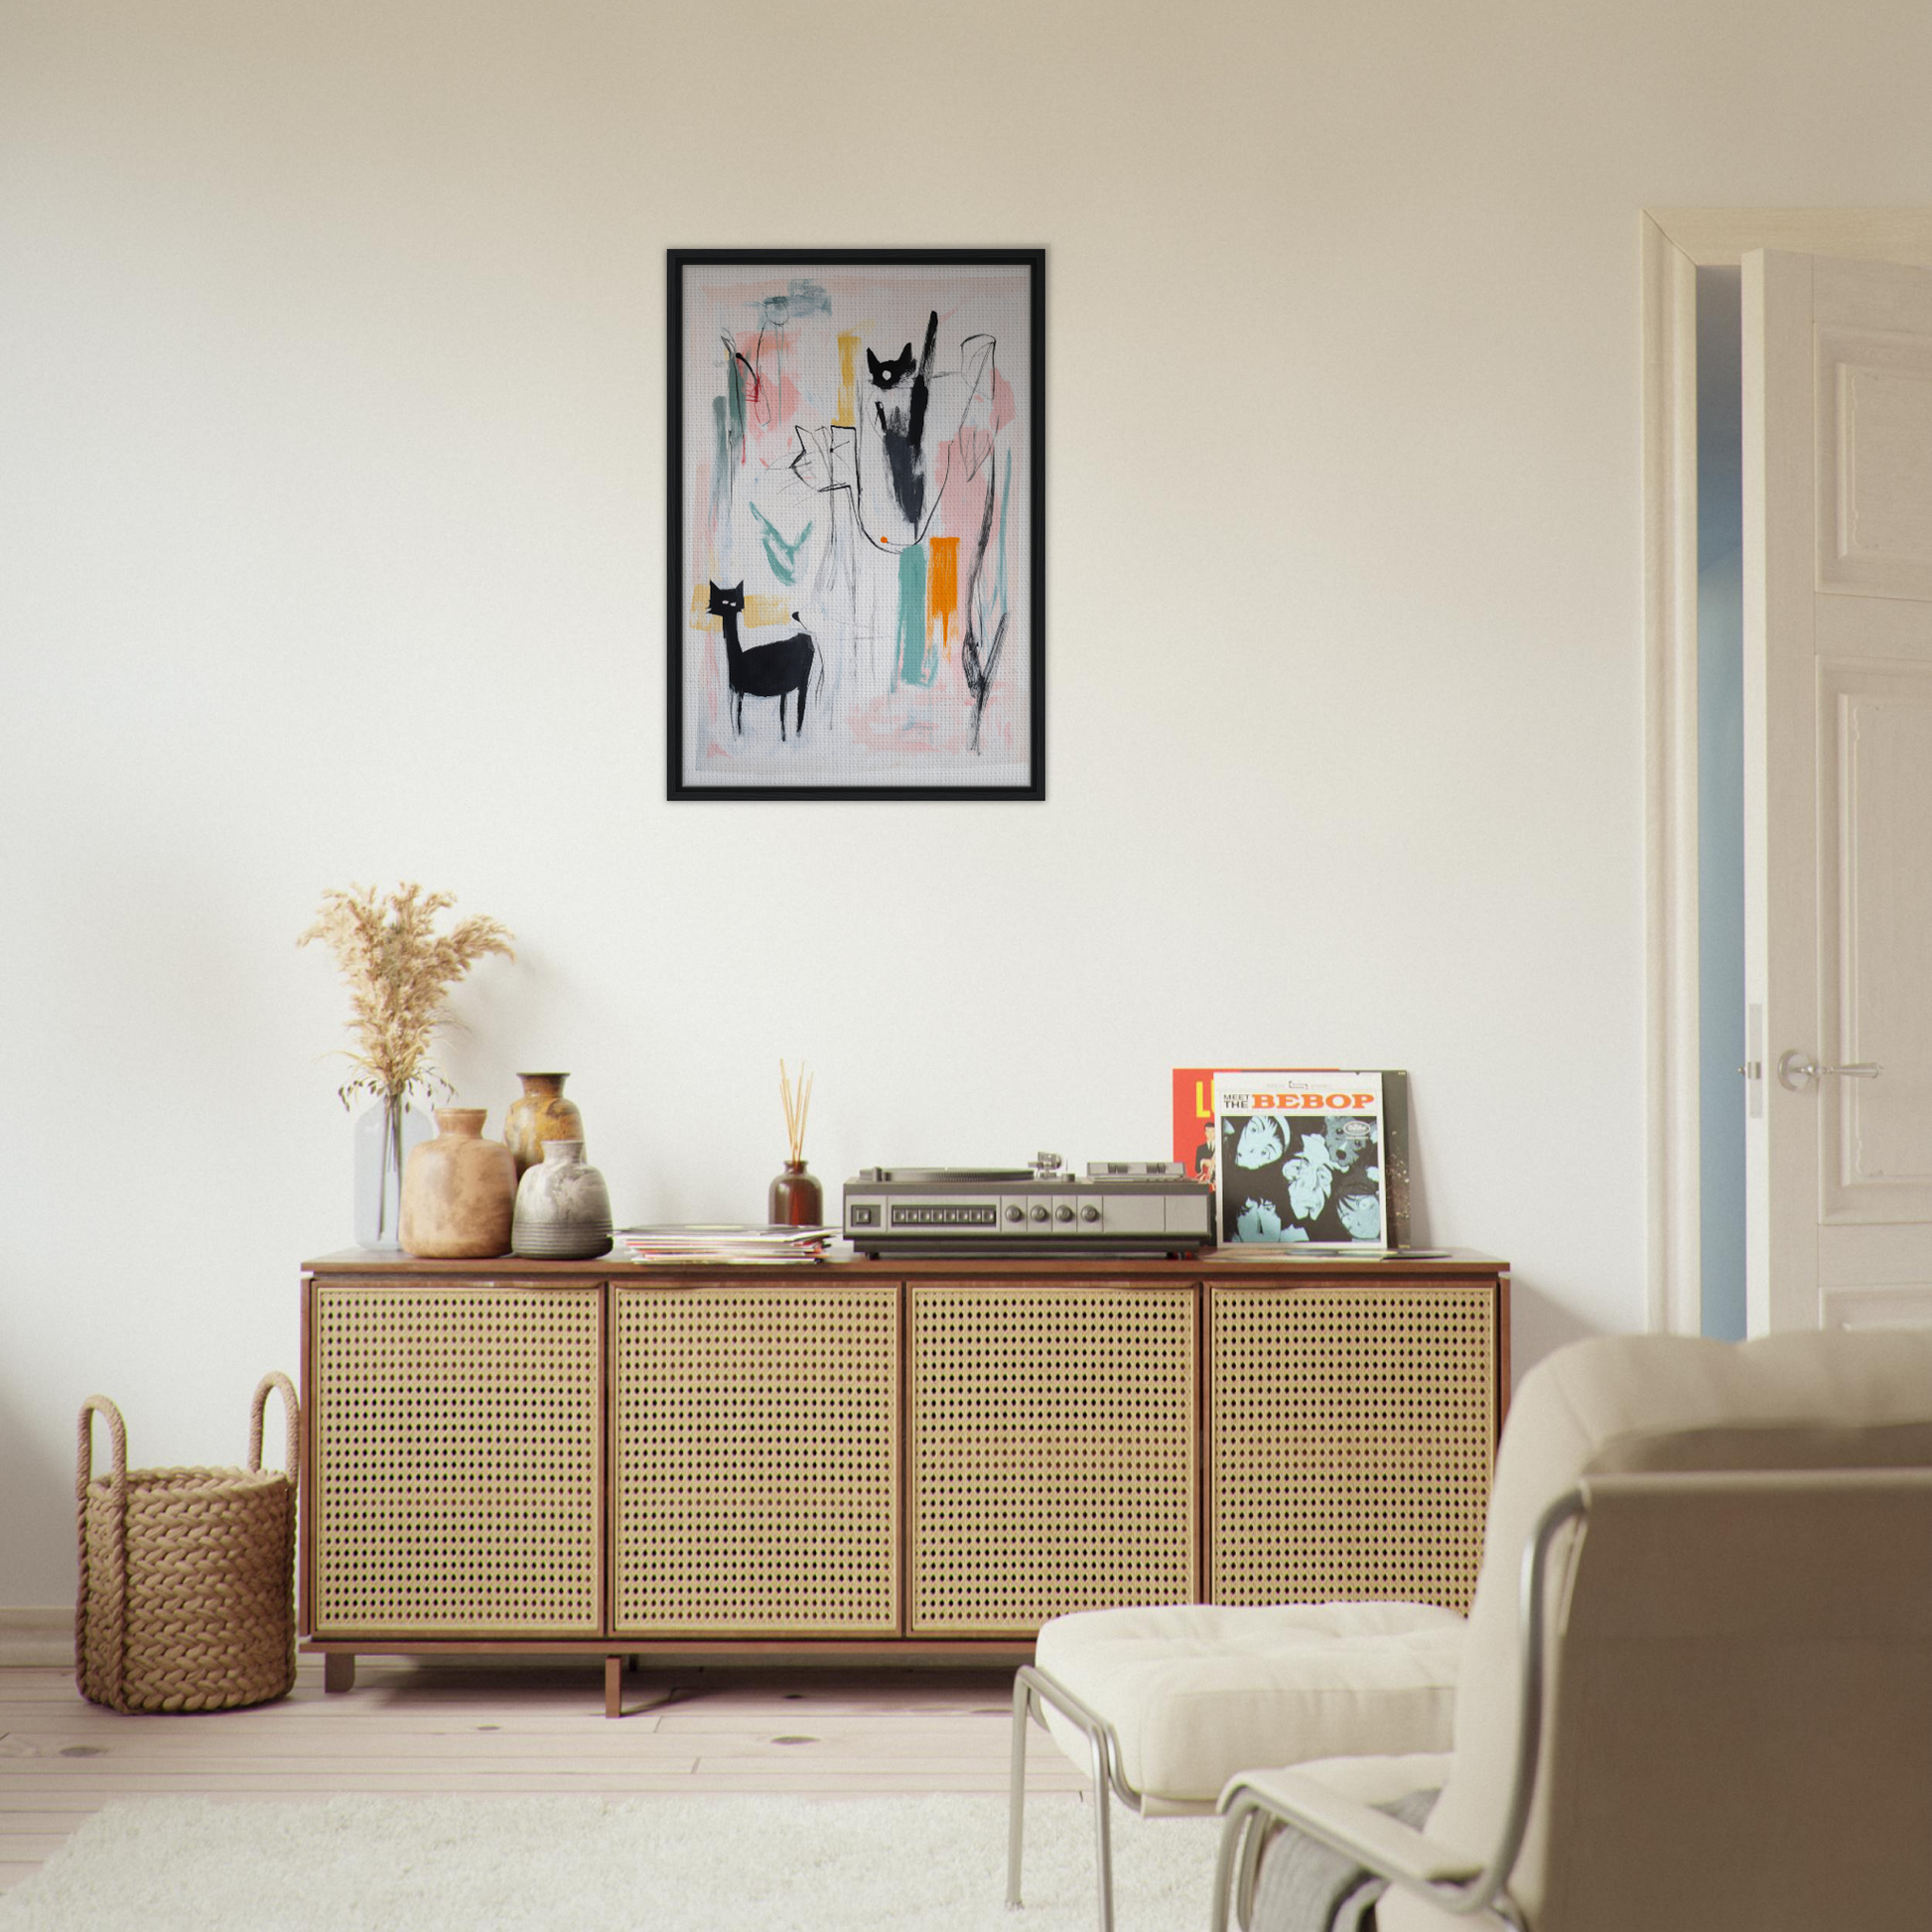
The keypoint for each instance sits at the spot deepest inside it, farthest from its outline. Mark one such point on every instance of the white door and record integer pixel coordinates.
(1837, 781)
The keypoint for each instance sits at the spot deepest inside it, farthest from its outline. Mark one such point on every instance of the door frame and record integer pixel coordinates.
(1675, 243)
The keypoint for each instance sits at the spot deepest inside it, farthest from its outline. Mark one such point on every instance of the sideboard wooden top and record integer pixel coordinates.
(1217, 1264)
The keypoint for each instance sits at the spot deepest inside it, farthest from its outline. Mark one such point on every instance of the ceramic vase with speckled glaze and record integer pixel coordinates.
(540, 1114)
(563, 1208)
(458, 1191)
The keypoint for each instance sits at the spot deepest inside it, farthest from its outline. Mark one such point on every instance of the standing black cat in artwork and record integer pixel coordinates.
(774, 671)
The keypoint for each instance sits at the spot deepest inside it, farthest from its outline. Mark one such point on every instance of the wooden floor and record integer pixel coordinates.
(509, 1728)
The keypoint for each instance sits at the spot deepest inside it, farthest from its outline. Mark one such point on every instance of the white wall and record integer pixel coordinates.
(331, 409)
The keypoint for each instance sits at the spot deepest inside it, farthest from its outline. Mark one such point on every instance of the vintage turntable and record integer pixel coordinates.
(1136, 1207)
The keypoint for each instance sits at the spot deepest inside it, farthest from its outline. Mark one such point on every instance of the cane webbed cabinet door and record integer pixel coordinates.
(1053, 1440)
(456, 1458)
(756, 1455)
(1351, 1437)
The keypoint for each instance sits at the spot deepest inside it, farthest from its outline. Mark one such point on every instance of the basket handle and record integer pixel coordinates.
(113, 1641)
(290, 1409)
(117, 1432)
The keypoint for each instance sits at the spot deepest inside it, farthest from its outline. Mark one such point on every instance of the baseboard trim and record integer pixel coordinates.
(39, 1635)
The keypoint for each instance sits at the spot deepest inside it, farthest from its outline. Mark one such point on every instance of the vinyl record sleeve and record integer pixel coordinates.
(1198, 1145)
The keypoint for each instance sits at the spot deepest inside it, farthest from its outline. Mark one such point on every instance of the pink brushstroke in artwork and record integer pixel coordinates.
(771, 399)
(882, 726)
(997, 721)
(752, 345)
(963, 502)
(1003, 407)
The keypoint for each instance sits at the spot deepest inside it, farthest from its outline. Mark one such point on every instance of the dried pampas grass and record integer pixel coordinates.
(398, 969)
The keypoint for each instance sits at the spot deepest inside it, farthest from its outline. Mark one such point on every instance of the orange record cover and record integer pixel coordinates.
(1193, 1113)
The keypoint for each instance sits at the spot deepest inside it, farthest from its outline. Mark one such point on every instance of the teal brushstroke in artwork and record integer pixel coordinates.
(913, 665)
(780, 555)
(799, 299)
(727, 432)
(721, 456)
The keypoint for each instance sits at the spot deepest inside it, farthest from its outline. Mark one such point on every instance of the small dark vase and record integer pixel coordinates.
(796, 1200)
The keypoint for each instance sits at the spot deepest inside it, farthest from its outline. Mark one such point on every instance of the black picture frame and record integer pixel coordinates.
(683, 660)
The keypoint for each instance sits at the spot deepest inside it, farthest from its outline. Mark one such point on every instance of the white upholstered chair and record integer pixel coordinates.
(1695, 1689)
(1163, 1705)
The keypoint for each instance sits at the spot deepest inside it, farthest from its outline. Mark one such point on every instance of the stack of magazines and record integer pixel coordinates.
(698, 1241)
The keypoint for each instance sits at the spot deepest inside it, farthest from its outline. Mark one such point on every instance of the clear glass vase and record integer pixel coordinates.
(384, 1135)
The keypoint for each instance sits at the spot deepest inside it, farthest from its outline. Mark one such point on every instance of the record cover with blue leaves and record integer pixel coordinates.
(1309, 1157)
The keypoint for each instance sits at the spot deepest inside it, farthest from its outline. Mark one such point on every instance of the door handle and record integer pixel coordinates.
(1797, 1070)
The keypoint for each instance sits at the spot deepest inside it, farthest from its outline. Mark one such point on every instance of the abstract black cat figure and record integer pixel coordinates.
(774, 671)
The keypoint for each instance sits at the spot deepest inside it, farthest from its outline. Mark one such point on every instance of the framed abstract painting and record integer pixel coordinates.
(857, 586)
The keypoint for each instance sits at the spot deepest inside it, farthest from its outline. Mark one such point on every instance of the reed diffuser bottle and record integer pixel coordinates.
(795, 1199)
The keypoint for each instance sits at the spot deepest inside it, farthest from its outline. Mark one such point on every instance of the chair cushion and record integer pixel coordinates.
(1198, 1692)
(1379, 1780)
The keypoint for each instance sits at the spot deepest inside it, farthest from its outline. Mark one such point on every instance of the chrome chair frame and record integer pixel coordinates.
(1032, 1689)
(1253, 1816)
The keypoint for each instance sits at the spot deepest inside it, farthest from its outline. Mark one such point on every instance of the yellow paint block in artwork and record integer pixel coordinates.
(760, 610)
(848, 416)
(942, 588)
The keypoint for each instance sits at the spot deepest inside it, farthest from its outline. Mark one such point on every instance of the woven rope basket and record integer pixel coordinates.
(187, 1576)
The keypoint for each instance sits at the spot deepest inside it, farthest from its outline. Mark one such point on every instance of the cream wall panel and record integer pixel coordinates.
(1875, 748)
(1884, 627)
(1874, 463)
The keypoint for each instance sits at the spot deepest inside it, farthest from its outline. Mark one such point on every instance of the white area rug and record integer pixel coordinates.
(766, 1864)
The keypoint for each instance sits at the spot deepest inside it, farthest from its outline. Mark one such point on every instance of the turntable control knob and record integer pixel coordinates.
(1039, 1214)
(1063, 1213)
(1016, 1212)
(1089, 1213)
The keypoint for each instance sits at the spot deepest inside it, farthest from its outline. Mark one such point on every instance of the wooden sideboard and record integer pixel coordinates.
(880, 1459)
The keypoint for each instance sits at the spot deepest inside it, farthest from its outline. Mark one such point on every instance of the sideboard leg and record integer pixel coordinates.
(614, 1687)
(339, 1670)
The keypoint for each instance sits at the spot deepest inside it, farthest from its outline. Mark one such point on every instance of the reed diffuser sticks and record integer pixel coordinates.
(795, 1198)
(798, 1104)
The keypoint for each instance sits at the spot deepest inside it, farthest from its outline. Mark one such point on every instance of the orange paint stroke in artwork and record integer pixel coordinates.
(942, 586)
(848, 416)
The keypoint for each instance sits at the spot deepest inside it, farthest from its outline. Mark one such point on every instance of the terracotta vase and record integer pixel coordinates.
(458, 1191)
(563, 1208)
(795, 1199)
(540, 1114)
